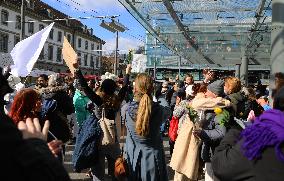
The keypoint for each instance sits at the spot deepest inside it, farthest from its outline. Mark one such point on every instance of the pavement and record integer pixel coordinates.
(82, 176)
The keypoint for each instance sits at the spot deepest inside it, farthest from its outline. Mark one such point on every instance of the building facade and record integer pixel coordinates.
(83, 40)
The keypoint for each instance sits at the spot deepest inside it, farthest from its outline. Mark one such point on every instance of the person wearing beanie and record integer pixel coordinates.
(216, 89)
(213, 126)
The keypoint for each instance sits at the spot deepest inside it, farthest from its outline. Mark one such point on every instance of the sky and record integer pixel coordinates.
(86, 8)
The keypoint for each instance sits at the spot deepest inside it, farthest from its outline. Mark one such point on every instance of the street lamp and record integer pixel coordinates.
(107, 26)
(118, 26)
(114, 26)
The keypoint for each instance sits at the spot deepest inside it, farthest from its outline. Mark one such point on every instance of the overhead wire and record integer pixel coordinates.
(75, 7)
(64, 19)
(79, 4)
(80, 18)
(251, 45)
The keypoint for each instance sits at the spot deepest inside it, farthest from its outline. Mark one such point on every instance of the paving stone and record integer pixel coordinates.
(83, 177)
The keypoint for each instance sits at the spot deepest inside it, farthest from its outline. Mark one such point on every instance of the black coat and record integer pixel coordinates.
(229, 163)
(59, 124)
(26, 160)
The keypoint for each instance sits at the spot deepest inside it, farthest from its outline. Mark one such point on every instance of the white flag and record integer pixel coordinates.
(139, 63)
(27, 51)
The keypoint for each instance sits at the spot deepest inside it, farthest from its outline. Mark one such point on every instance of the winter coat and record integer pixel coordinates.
(163, 101)
(253, 105)
(29, 159)
(145, 155)
(86, 150)
(212, 131)
(80, 103)
(185, 157)
(239, 104)
(230, 164)
(173, 100)
(57, 114)
(58, 93)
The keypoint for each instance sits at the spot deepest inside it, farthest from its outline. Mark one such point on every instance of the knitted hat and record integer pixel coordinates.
(217, 87)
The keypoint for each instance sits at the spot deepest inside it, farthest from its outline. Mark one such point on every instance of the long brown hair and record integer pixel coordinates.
(143, 91)
(24, 105)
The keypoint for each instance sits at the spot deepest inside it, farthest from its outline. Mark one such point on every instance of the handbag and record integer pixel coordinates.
(173, 128)
(108, 129)
(120, 166)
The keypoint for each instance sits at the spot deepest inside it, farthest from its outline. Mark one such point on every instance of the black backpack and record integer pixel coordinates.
(243, 109)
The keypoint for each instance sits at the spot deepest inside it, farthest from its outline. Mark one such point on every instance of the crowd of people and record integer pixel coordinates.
(217, 128)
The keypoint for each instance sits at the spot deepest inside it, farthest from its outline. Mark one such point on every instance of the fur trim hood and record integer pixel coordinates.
(49, 92)
(200, 102)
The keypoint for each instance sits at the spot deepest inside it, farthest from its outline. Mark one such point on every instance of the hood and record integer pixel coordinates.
(49, 92)
(200, 102)
(236, 97)
(79, 93)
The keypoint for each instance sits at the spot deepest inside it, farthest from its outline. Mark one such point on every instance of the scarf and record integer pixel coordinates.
(266, 131)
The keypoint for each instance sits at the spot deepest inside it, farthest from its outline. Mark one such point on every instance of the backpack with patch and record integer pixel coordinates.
(242, 108)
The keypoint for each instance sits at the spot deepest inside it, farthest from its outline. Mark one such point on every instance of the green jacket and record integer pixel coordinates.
(80, 103)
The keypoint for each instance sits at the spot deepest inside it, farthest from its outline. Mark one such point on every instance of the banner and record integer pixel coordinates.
(69, 55)
(139, 63)
(27, 51)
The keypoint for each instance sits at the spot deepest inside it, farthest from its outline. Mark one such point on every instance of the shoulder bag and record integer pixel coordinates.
(108, 129)
(120, 166)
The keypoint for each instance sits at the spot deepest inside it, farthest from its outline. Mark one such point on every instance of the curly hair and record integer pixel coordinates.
(24, 105)
(234, 84)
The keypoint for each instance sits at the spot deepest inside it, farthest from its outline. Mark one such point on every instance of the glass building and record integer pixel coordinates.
(192, 35)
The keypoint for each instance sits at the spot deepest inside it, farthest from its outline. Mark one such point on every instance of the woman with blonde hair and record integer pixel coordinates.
(144, 145)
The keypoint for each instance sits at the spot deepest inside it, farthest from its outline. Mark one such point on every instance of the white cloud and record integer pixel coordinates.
(124, 44)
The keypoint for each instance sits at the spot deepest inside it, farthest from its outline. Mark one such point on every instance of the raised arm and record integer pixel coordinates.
(96, 99)
(123, 91)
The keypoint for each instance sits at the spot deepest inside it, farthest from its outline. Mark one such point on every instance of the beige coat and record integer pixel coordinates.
(185, 157)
